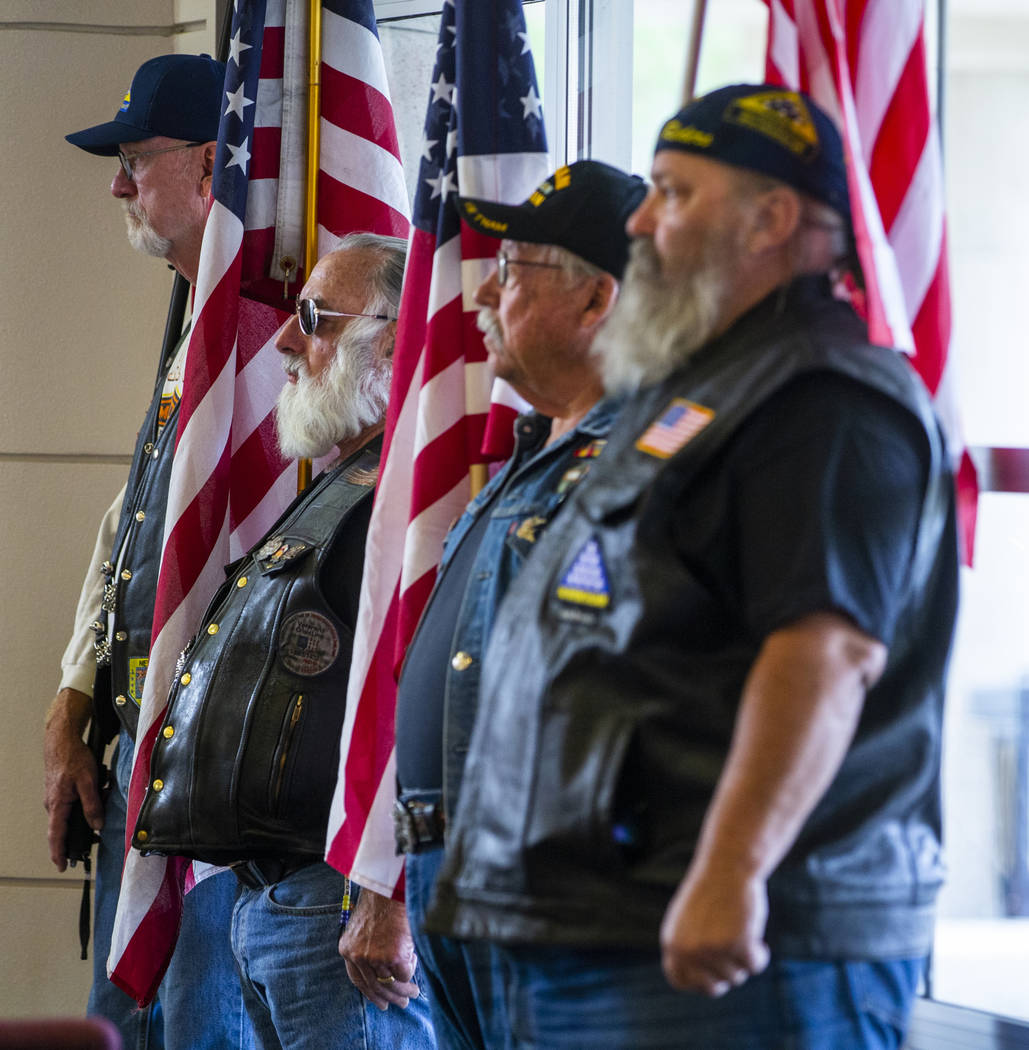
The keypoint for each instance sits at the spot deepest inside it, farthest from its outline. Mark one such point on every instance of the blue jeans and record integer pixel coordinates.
(465, 978)
(295, 983)
(199, 1005)
(620, 1000)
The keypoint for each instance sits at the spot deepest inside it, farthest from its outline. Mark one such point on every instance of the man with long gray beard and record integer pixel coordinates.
(700, 806)
(163, 136)
(244, 766)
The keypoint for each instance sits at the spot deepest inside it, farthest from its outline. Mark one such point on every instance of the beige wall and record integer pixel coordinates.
(82, 318)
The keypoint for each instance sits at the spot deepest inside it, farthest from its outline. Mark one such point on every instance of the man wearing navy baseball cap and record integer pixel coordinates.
(164, 137)
(560, 259)
(701, 803)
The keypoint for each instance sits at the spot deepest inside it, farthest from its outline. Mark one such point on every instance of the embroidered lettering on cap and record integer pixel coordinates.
(586, 582)
(681, 421)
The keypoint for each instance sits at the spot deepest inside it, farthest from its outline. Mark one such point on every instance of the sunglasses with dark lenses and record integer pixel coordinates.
(309, 313)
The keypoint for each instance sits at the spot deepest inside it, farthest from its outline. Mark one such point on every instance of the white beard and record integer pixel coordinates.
(142, 236)
(313, 415)
(658, 322)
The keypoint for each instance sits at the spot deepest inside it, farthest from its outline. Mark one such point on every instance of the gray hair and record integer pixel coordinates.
(387, 277)
(575, 267)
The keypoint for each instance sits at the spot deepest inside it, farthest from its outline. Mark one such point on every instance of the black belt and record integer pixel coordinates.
(418, 821)
(266, 871)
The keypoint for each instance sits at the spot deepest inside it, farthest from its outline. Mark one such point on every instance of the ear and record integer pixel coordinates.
(774, 219)
(207, 155)
(387, 339)
(603, 294)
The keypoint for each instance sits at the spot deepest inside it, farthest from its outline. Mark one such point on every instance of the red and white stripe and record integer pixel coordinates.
(864, 62)
(229, 482)
(441, 411)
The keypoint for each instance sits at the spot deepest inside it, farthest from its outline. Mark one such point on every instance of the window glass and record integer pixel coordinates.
(981, 955)
(732, 51)
(982, 943)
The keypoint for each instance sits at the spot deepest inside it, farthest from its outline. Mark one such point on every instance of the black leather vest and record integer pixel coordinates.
(245, 762)
(123, 638)
(623, 704)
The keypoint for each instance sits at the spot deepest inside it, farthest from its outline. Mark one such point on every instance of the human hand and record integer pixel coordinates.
(70, 771)
(712, 932)
(379, 951)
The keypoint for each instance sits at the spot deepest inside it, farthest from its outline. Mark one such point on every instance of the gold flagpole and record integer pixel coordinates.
(314, 100)
(689, 86)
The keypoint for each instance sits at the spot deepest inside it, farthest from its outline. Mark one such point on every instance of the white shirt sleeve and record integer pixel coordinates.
(78, 665)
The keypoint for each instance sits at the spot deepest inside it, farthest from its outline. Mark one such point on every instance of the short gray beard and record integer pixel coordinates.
(313, 415)
(142, 236)
(658, 322)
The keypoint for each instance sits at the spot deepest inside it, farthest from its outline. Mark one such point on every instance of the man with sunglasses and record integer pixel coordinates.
(561, 257)
(243, 770)
(164, 138)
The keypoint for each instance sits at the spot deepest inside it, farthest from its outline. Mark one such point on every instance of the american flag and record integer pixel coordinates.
(484, 137)
(864, 62)
(229, 482)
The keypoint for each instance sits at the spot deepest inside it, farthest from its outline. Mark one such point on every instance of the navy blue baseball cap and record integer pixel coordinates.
(179, 96)
(582, 207)
(768, 129)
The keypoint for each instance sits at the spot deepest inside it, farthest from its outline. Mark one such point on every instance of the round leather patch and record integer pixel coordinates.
(308, 643)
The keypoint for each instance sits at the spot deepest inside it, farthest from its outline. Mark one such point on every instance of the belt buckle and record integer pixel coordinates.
(417, 825)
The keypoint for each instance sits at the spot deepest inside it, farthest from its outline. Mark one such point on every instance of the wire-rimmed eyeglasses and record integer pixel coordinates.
(504, 261)
(309, 313)
(128, 160)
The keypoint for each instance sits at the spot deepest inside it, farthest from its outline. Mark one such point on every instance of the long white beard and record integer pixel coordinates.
(314, 414)
(657, 323)
(142, 236)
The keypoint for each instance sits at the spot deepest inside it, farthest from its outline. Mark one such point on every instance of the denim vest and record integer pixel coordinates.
(521, 500)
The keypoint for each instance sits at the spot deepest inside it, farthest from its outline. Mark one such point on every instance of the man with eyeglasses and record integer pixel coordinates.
(243, 770)
(560, 260)
(164, 138)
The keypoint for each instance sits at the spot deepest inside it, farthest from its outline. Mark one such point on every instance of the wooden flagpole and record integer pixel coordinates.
(689, 85)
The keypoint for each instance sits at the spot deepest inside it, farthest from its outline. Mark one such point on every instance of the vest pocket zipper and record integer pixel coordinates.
(285, 744)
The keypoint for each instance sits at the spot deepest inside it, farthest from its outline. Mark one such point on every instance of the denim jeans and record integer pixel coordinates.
(199, 1005)
(620, 1000)
(466, 979)
(295, 983)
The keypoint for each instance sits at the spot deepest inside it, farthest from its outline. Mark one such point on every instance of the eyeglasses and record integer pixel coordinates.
(128, 160)
(504, 261)
(309, 314)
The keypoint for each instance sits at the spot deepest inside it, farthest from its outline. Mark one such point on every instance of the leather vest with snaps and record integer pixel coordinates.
(245, 763)
(124, 624)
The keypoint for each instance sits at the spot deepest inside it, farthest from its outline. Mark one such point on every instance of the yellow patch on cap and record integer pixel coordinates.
(781, 116)
(561, 179)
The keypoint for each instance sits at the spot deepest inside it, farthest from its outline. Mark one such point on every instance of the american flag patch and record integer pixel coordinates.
(677, 424)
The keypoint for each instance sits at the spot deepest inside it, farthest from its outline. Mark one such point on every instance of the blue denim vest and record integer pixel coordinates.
(521, 500)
